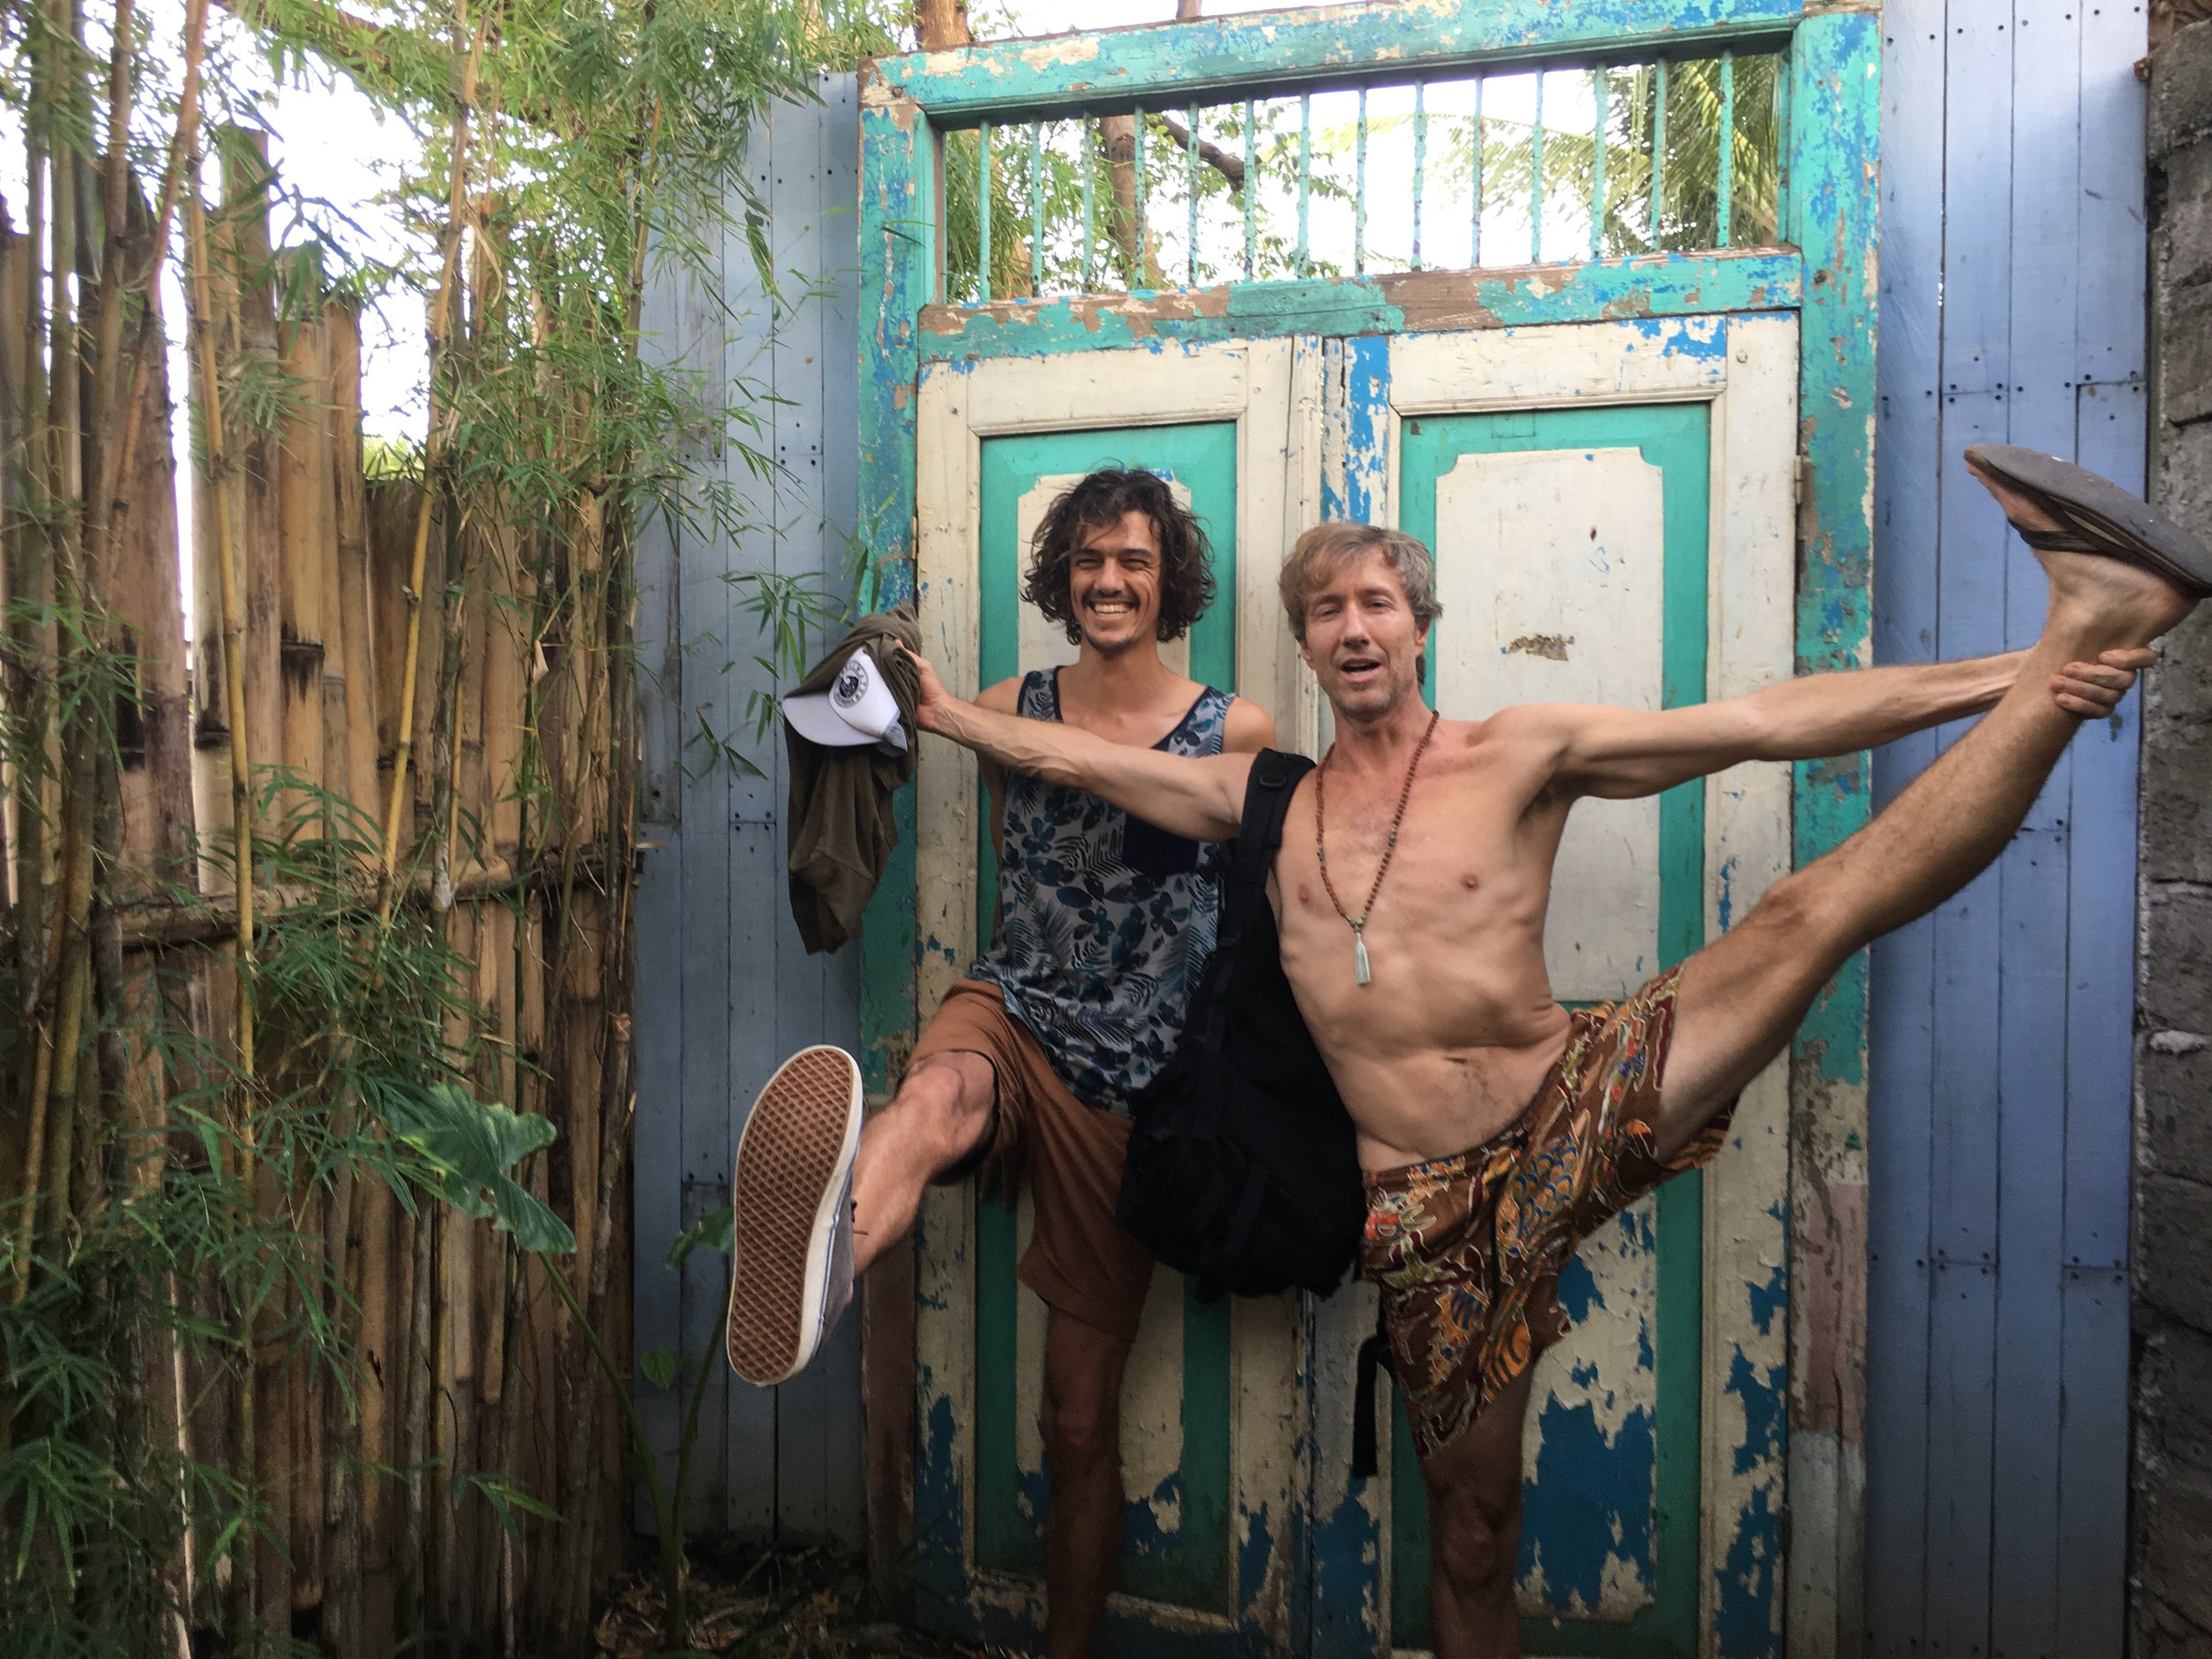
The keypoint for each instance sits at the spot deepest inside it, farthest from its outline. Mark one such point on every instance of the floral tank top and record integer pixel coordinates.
(1104, 921)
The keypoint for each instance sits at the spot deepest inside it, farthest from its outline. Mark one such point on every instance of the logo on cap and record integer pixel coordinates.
(852, 685)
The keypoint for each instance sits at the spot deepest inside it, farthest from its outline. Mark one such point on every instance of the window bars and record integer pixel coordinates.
(1510, 167)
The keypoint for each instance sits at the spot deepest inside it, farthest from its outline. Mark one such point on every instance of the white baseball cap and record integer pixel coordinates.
(858, 709)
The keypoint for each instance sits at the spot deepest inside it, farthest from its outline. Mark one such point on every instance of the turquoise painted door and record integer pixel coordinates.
(1610, 1499)
(1176, 1471)
(1630, 500)
(1213, 1401)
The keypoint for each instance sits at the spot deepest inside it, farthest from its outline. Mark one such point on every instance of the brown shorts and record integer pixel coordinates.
(1468, 1249)
(1079, 1260)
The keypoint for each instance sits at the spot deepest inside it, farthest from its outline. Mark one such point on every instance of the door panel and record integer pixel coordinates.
(1213, 1406)
(1175, 1401)
(1571, 502)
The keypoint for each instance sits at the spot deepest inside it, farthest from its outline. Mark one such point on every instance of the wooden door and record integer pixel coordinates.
(1215, 1405)
(1611, 506)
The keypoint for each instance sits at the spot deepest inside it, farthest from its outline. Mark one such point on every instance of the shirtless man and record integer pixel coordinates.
(1498, 1127)
(1105, 924)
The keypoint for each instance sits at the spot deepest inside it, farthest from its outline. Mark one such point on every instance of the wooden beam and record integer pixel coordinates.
(1107, 71)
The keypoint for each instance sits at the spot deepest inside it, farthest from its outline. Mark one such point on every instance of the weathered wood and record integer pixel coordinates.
(143, 597)
(245, 266)
(355, 608)
(303, 513)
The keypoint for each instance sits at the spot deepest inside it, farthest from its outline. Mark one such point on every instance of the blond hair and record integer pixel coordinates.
(1327, 547)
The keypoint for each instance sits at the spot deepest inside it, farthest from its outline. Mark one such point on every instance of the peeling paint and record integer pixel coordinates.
(1660, 290)
(1552, 647)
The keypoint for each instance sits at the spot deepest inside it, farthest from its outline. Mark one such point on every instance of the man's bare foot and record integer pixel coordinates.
(2107, 601)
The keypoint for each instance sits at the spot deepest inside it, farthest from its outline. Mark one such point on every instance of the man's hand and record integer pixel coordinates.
(932, 699)
(2093, 690)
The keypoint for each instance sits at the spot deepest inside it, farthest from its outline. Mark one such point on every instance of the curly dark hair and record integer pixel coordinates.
(1186, 577)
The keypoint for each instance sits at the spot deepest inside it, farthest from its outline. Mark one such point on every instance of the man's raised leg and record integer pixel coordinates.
(1742, 997)
(818, 1195)
(938, 1120)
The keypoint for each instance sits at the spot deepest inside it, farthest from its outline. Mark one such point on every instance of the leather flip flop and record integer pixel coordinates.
(2099, 516)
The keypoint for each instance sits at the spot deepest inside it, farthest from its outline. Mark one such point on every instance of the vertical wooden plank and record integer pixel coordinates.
(683, 330)
(2093, 1428)
(2032, 871)
(1834, 142)
(899, 266)
(795, 982)
(1965, 1106)
(846, 1497)
(738, 1432)
(1901, 1034)
(2109, 436)
(1977, 327)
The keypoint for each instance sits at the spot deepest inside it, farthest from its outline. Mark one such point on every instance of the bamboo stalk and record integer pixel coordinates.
(146, 605)
(356, 607)
(302, 478)
(245, 270)
(244, 1590)
(441, 309)
(181, 140)
(225, 555)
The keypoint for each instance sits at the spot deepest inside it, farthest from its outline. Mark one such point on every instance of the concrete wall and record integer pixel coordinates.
(2172, 1583)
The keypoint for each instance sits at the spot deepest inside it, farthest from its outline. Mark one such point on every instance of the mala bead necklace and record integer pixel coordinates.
(1361, 972)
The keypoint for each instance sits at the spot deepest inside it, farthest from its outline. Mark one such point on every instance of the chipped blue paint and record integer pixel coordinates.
(1725, 905)
(1583, 1534)
(1762, 1395)
(1579, 1291)
(1367, 431)
(1744, 1623)
(941, 1508)
(1347, 1559)
(1339, 46)
(1255, 1549)
(1767, 1300)
(1656, 289)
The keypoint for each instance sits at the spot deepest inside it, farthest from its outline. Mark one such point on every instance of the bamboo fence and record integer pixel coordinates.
(468, 1364)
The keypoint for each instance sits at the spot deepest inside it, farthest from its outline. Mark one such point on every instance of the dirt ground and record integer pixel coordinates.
(755, 1601)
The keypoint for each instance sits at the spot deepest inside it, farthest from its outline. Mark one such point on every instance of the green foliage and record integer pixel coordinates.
(474, 1145)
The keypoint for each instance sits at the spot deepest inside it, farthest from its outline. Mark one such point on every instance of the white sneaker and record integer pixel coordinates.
(791, 1273)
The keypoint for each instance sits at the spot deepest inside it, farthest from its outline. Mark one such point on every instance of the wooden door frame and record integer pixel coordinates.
(1825, 271)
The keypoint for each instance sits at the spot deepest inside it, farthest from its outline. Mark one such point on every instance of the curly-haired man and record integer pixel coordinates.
(1104, 923)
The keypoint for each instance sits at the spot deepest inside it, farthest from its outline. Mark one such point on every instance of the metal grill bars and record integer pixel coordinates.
(1547, 164)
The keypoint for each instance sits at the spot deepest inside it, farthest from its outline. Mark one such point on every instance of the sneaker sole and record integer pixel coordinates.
(793, 1161)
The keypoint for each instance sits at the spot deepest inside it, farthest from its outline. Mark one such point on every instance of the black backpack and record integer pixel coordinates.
(1242, 1170)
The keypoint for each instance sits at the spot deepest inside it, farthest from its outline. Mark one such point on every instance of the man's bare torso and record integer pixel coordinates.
(1448, 1042)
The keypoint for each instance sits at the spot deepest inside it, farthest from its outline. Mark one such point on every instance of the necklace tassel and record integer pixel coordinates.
(1360, 972)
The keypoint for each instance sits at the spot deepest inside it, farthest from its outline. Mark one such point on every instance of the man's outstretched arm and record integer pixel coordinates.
(1623, 752)
(1201, 798)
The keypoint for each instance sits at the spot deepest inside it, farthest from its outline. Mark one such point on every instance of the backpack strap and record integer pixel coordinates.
(1275, 778)
(1374, 1356)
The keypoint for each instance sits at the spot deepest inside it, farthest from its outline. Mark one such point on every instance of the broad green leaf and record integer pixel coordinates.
(472, 1144)
(659, 1366)
(714, 1231)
